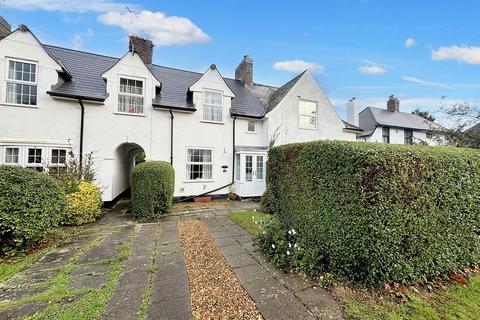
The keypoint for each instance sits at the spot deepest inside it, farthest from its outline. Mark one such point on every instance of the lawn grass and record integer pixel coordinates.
(246, 219)
(11, 267)
(455, 302)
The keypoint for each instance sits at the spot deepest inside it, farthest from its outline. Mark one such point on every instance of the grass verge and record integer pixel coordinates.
(455, 301)
(247, 219)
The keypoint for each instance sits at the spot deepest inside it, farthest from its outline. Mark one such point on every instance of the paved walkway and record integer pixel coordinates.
(151, 279)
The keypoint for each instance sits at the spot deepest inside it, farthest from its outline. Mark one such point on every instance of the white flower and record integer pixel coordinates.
(293, 231)
(289, 231)
(288, 253)
(295, 245)
(273, 246)
(289, 245)
(253, 218)
(264, 232)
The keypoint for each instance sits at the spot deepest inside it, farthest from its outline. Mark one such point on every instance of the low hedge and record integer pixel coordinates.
(152, 189)
(84, 205)
(375, 212)
(31, 203)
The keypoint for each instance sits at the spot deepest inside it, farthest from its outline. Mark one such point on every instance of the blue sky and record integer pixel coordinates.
(356, 48)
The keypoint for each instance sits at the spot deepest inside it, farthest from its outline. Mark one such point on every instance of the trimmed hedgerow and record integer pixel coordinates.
(83, 205)
(152, 189)
(31, 203)
(376, 212)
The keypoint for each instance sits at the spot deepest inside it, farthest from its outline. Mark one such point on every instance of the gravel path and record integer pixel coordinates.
(215, 292)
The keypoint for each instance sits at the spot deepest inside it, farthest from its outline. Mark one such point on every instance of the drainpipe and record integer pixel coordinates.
(233, 168)
(82, 120)
(171, 136)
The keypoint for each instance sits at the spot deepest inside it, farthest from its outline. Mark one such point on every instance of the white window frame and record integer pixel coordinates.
(31, 83)
(254, 126)
(308, 115)
(120, 77)
(189, 163)
(238, 164)
(4, 156)
(57, 165)
(40, 164)
(387, 136)
(212, 105)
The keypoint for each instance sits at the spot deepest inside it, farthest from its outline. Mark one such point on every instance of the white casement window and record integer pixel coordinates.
(12, 155)
(58, 161)
(34, 158)
(386, 134)
(130, 96)
(21, 83)
(307, 114)
(252, 126)
(199, 164)
(212, 106)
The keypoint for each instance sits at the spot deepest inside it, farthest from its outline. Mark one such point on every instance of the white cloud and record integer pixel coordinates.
(163, 30)
(410, 42)
(298, 66)
(426, 83)
(470, 55)
(79, 38)
(67, 6)
(372, 69)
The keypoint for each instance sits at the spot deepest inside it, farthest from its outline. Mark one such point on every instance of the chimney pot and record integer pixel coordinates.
(393, 104)
(142, 47)
(244, 71)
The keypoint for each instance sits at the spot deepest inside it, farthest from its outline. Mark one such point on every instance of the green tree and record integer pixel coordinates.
(424, 114)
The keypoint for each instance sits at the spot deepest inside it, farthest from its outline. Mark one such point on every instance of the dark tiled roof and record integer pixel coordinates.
(87, 68)
(384, 117)
(278, 95)
(351, 126)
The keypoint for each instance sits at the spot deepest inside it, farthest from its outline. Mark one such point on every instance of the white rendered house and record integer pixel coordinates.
(214, 130)
(393, 126)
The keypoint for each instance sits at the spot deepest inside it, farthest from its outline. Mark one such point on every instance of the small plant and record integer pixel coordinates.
(74, 172)
(83, 205)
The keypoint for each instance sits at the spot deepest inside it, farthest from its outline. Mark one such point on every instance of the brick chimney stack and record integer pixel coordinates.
(142, 47)
(5, 28)
(244, 71)
(393, 104)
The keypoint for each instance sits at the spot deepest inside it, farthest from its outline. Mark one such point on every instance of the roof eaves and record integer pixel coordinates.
(76, 97)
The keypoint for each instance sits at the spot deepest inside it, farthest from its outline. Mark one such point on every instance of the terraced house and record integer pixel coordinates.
(214, 130)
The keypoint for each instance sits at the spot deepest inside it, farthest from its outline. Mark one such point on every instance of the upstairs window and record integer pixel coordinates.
(21, 83)
(252, 126)
(212, 106)
(386, 135)
(130, 96)
(199, 164)
(408, 136)
(307, 112)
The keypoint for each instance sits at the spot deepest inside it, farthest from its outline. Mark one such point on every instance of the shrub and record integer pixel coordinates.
(266, 201)
(152, 189)
(376, 212)
(83, 206)
(31, 203)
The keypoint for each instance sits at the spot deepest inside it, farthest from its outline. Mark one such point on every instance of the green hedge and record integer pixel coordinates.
(376, 212)
(31, 203)
(83, 205)
(152, 189)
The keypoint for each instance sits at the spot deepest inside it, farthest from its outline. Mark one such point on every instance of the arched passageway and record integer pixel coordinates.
(127, 155)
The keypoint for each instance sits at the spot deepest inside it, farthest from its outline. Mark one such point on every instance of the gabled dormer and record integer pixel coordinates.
(131, 86)
(212, 96)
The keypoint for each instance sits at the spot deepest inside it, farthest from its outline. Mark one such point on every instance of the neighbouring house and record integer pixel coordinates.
(214, 130)
(393, 126)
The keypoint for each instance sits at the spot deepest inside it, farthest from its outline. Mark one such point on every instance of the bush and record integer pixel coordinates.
(152, 189)
(83, 206)
(31, 203)
(266, 201)
(376, 212)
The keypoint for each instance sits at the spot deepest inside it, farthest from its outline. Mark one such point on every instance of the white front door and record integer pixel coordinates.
(254, 178)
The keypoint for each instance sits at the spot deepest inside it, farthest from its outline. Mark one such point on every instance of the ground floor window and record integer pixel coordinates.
(408, 136)
(237, 167)
(199, 164)
(39, 158)
(386, 135)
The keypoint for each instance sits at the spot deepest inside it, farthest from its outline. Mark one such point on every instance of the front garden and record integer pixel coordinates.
(393, 230)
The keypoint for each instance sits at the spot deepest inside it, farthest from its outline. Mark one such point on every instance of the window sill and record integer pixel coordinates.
(131, 114)
(197, 181)
(310, 129)
(251, 132)
(19, 105)
(214, 122)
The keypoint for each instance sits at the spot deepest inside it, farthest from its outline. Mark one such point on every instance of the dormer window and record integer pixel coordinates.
(212, 106)
(130, 96)
(21, 83)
